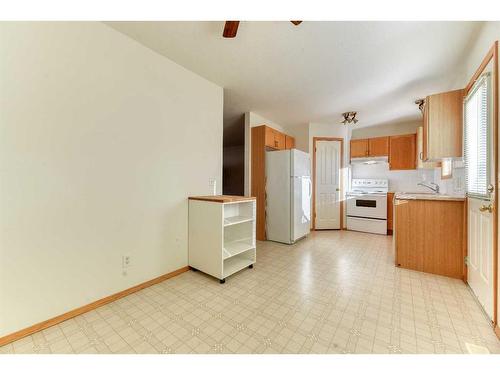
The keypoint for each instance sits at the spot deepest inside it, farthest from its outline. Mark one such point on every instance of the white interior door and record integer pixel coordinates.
(327, 184)
(480, 253)
(479, 168)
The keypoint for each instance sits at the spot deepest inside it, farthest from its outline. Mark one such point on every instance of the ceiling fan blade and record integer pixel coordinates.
(230, 29)
(296, 23)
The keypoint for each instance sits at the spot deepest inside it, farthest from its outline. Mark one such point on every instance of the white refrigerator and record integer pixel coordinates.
(288, 195)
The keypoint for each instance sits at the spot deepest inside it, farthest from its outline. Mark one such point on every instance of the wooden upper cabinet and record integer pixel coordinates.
(402, 151)
(289, 142)
(421, 163)
(274, 139)
(359, 148)
(378, 146)
(269, 137)
(443, 124)
(279, 140)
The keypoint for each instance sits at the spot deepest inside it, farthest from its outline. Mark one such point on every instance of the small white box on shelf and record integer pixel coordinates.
(221, 234)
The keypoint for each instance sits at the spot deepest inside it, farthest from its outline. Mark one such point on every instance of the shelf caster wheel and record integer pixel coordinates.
(250, 266)
(223, 281)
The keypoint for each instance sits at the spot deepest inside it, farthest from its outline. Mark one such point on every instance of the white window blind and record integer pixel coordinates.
(476, 139)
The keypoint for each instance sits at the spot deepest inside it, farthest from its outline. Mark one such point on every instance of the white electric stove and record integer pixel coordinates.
(367, 205)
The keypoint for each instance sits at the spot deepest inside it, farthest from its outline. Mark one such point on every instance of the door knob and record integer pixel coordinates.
(337, 189)
(485, 208)
(491, 188)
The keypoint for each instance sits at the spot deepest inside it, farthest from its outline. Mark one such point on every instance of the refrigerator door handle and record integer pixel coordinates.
(310, 188)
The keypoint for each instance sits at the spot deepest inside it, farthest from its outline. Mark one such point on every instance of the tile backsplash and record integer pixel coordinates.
(407, 180)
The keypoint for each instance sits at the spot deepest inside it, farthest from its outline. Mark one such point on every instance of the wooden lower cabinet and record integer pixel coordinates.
(390, 198)
(429, 236)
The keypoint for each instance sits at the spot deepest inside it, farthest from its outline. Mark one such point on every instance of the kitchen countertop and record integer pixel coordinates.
(222, 198)
(428, 196)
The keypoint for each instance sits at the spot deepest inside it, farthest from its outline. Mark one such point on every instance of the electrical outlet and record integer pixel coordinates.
(212, 184)
(126, 261)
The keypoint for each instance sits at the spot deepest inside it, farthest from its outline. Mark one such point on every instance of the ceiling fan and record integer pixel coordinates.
(231, 28)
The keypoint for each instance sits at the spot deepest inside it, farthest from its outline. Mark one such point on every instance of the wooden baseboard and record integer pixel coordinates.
(497, 331)
(91, 306)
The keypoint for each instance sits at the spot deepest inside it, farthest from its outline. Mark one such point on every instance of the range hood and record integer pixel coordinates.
(370, 160)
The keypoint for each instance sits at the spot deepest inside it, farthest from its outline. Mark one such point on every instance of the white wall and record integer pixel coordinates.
(399, 181)
(301, 135)
(397, 128)
(102, 141)
(488, 35)
(330, 130)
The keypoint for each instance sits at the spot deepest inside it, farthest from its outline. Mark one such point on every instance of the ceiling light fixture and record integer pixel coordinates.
(349, 117)
(421, 104)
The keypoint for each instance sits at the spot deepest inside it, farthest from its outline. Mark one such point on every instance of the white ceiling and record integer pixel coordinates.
(294, 75)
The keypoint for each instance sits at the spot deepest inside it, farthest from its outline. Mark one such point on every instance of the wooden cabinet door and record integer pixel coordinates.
(425, 133)
(402, 151)
(359, 148)
(279, 140)
(410, 233)
(269, 137)
(390, 198)
(289, 142)
(443, 125)
(378, 146)
(430, 236)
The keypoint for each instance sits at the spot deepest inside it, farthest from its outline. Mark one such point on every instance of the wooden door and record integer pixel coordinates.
(402, 152)
(359, 148)
(327, 185)
(289, 142)
(378, 146)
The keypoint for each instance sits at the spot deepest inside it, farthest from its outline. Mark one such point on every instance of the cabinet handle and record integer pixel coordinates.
(421, 156)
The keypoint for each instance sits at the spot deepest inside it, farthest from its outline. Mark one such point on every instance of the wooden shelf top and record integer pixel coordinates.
(222, 198)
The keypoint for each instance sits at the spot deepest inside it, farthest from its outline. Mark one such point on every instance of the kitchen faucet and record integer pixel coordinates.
(430, 185)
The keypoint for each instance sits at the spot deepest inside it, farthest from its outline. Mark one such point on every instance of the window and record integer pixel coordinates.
(476, 138)
(446, 168)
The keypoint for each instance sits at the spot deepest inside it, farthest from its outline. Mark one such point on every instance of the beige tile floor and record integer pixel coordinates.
(334, 292)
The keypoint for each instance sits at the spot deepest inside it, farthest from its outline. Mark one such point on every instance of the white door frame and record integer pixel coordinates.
(341, 140)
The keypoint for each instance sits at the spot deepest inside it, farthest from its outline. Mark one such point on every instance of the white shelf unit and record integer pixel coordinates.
(221, 236)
